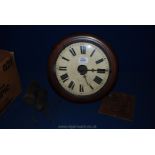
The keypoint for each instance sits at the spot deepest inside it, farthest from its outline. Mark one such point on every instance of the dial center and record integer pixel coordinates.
(82, 69)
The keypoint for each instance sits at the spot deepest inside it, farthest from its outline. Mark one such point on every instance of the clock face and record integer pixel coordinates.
(82, 68)
(85, 69)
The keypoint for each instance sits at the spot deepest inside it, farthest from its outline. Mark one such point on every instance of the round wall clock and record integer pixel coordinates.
(82, 68)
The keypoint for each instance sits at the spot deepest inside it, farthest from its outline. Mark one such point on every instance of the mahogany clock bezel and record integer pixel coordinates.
(82, 38)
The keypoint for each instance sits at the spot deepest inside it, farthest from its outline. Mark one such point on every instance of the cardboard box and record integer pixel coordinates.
(10, 86)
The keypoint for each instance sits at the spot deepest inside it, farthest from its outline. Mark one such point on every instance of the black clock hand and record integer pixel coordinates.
(87, 82)
(82, 69)
(98, 70)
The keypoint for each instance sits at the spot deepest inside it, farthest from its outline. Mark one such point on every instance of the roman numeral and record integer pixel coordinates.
(81, 89)
(65, 58)
(99, 61)
(91, 87)
(71, 85)
(83, 49)
(92, 53)
(64, 77)
(98, 80)
(72, 52)
(101, 70)
(62, 68)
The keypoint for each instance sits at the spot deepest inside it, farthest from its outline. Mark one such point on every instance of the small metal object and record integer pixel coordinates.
(36, 96)
(30, 96)
(41, 99)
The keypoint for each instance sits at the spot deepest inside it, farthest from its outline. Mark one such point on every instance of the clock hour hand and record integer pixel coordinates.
(98, 70)
(87, 82)
(82, 69)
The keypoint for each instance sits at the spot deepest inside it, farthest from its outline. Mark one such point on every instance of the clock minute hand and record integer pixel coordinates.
(87, 82)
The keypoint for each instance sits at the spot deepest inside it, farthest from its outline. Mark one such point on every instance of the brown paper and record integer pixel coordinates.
(119, 105)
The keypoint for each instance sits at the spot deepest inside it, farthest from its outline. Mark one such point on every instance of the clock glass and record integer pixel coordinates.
(82, 68)
(85, 69)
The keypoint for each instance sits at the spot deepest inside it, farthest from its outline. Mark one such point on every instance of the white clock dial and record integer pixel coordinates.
(82, 68)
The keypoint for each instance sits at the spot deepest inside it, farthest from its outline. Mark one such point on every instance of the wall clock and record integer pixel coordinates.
(82, 68)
